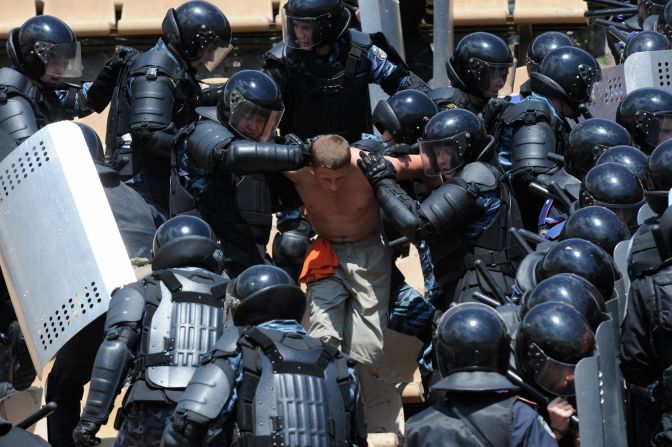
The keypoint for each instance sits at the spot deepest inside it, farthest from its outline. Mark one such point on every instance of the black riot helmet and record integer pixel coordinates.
(659, 177)
(598, 225)
(45, 44)
(92, 142)
(568, 74)
(664, 24)
(482, 65)
(472, 337)
(266, 293)
(544, 44)
(251, 104)
(551, 339)
(588, 140)
(645, 41)
(570, 289)
(184, 241)
(582, 258)
(451, 139)
(615, 187)
(404, 115)
(628, 156)
(647, 114)
(198, 30)
(311, 24)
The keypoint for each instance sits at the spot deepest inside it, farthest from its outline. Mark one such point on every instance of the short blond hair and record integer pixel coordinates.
(331, 152)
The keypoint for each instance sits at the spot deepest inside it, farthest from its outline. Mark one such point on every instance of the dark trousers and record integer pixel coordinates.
(65, 384)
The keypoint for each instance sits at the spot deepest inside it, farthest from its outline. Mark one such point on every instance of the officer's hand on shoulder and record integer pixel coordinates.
(376, 167)
(84, 434)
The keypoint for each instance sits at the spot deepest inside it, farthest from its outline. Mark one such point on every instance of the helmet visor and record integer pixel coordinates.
(660, 128)
(215, 53)
(304, 33)
(553, 376)
(254, 122)
(60, 59)
(385, 119)
(493, 78)
(626, 212)
(443, 156)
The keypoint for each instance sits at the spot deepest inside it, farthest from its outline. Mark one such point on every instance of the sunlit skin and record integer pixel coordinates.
(444, 159)
(340, 203)
(665, 132)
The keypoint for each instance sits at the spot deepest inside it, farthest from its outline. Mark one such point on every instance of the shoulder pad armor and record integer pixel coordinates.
(275, 54)
(360, 39)
(16, 82)
(228, 342)
(155, 58)
(449, 98)
(481, 174)
(528, 111)
(127, 305)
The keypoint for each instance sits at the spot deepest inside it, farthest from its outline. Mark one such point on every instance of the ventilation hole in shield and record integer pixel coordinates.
(83, 311)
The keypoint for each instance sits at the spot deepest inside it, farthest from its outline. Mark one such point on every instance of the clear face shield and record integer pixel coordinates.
(306, 33)
(553, 376)
(658, 127)
(254, 122)
(215, 53)
(493, 78)
(63, 60)
(444, 156)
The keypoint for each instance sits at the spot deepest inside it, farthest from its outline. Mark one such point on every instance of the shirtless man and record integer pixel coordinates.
(349, 308)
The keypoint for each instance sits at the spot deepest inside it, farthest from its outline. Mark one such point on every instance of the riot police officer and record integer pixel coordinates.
(542, 45)
(264, 371)
(220, 164)
(324, 68)
(598, 225)
(628, 156)
(538, 124)
(158, 330)
(44, 51)
(474, 403)
(646, 359)
(480, 67)
(463, 220)
(645, 113)
(613, 186)
(645, 41)
(160, 94)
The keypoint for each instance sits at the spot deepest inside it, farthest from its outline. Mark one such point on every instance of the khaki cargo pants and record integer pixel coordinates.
(350, 309)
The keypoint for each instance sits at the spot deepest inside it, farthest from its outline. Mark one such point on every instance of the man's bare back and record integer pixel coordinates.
(340, 203)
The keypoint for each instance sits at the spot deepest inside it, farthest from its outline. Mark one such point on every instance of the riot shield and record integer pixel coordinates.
(621, 262)
(645, 69)
(588, 407)
(60, 249)
(644, 213)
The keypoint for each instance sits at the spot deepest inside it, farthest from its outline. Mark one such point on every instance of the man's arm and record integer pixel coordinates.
(407, 166)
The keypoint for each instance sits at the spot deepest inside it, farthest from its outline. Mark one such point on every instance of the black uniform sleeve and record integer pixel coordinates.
(637, 358)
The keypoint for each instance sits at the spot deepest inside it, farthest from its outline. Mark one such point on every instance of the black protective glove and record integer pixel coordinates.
(494, 108)
(376, 168)
(84, 434)
(100, 92)
(182, 432)
(293, 140)
(401, 149)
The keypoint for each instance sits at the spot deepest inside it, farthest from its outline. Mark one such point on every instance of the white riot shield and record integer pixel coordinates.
(646, 69)
(644, 213)
(60, 249)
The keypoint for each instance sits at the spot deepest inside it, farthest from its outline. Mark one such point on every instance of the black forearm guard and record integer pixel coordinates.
(248, 157)
(399, 208)
(109, 370)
